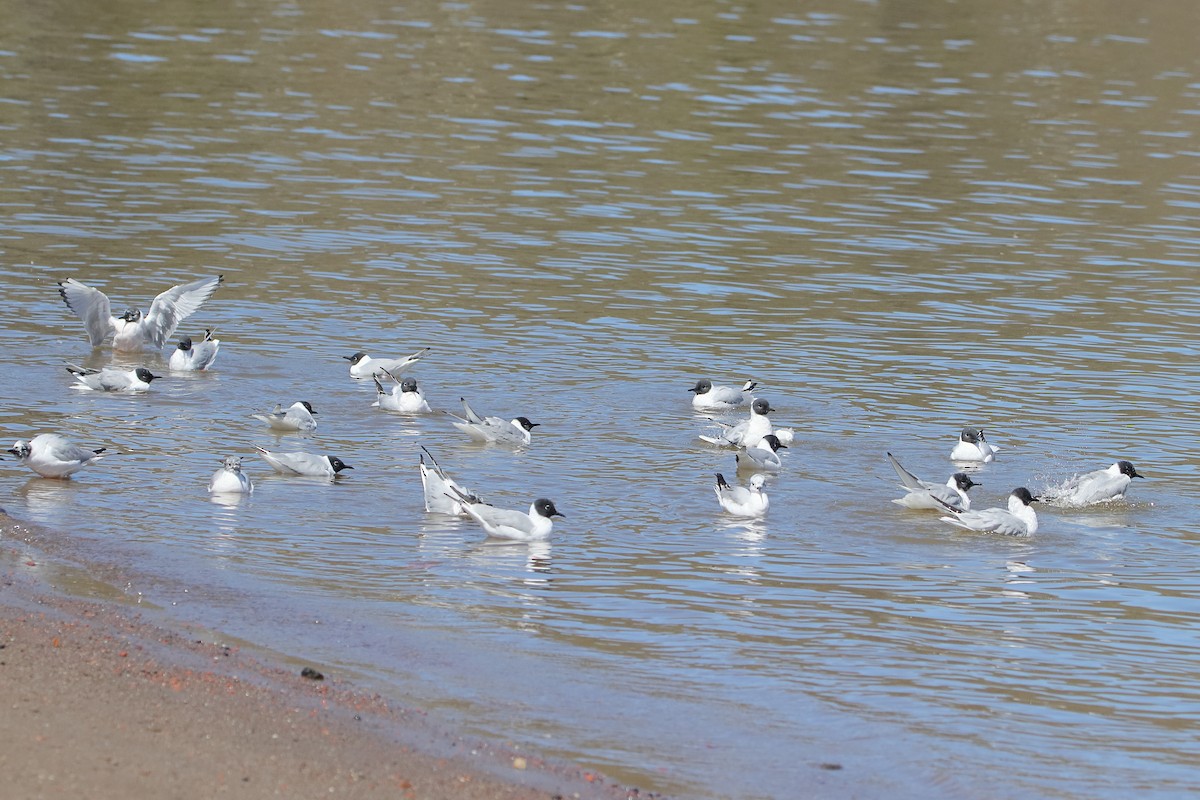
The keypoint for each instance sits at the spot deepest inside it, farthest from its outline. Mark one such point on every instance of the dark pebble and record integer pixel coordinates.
(311, 674)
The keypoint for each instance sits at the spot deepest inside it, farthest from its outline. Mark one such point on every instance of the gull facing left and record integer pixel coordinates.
(363, 366)
(53, 456)
(193, 357)
(405, 397)
(707, 397)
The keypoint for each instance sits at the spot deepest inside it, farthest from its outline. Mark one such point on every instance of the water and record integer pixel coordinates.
(899, 219)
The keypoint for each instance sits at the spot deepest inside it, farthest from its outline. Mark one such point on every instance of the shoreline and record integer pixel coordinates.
(102, 701)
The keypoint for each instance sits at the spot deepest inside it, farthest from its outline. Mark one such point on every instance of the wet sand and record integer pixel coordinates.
(98, 702)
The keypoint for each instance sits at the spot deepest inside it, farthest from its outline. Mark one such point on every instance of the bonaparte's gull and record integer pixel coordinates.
(1018, 520)
(194, 357)
(297, 417)
(131, 330)
(230, 479)
(363, 366)
(1099, 486)
(748, 432)
(933, 496)
(112, 379)
(972, 446)
(53, 456)
(442, 493)
(742, 501)
(300, 463)
(762, 456)
(405, 397)
(719, 398)
(501, 523)
(493, 429)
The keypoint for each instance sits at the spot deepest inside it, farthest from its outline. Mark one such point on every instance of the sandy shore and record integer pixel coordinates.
(98, 701)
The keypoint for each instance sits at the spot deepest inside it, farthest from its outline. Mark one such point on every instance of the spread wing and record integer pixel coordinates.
(175, 305)
(91, 306)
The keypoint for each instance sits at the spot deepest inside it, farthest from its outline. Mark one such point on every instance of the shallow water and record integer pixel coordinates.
(899, 220)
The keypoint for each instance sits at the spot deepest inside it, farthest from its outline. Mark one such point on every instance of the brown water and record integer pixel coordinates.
(899, 218)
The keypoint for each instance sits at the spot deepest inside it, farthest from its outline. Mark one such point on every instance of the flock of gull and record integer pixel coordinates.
(755, 439)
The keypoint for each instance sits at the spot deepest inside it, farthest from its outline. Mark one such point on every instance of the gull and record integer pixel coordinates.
(442, 492)
(131, 330)
(300, 463)
(112, 379)
(297, 417)
(230, 479)
(517, 526)
(189, 357)
(933, 496)
(405, 397)
(742, 501)
(719, 398)
(493, 429)
(972, 446)
(748, 432)
(363, 366)
(1099, 486)
(53, 456)
(764, 455)
(1018, 520)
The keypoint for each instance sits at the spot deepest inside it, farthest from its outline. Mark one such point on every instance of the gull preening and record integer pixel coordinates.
(493, 429)
(53, 456)
(230, 479)
(743, 501)
(973, 446)
(406, 397)
(301, 463)
(132, 330)
(112, 379)
(191, 356)
(443, 494)
(933, 496)
(297, 417)
(363, 366)
(719, 398)
(1018, 520)
(1100, 486)
(517, 526)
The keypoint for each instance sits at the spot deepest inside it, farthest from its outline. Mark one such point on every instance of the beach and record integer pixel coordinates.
(100, 701)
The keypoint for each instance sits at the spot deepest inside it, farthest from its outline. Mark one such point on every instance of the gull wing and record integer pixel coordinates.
(91, 306)
(175, 305)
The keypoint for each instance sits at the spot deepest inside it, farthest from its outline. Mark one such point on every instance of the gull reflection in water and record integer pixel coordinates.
(44, 497)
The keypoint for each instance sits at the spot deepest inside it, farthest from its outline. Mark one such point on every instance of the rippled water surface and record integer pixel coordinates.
(899, 218)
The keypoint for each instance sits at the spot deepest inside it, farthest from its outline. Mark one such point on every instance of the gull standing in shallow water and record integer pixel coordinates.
(190, 357)
(363, 366)
(719, 398)
(972, 446)
(53, 456)
(300, 463)
(742, 501)
(298, 417)
(1018, 520)
(230, 479)
(933, 496)
(1099, 486)
(112, 379)
(405, 397)
(131, 330)
(442, 493)
(493, 429)
(516, 526)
